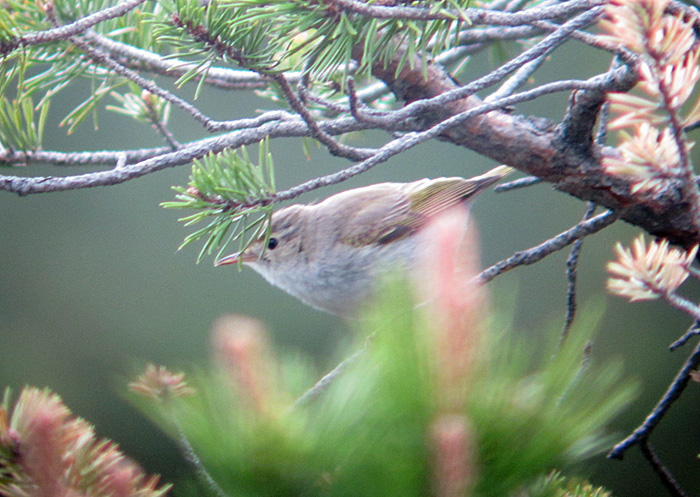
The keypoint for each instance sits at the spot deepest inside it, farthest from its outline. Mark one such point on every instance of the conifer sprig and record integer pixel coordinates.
(51, 67)
(226, 189)
(21, 122)
(311, 35)
(654, 150)
(332, 31)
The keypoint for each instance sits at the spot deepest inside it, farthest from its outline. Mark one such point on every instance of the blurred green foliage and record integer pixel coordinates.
(381, 427)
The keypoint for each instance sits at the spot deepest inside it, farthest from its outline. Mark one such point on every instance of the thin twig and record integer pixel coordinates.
(90, 158)
(331, 106)
(667, 478)
(673, 392)
(332, 145)
(190, 455)
(584, 37)
(515, 5)
(167, 134)
(572, 261)
(693, 330)
(518, 183)
(518, 79)
(471, 36)
(394, 12)
(322, 385)
(681, 304)
(546, 248)
(353, 101)
(159, 125)
(571, 277)
(471, 16)
(498, 4)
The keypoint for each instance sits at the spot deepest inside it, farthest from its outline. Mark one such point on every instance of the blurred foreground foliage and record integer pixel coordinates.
(45, 451)
(390, 424)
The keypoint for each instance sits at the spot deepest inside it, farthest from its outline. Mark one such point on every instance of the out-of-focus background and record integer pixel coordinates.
(92, 285)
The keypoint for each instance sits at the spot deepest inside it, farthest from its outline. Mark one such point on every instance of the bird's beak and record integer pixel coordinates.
(236, 258)
(229, 259)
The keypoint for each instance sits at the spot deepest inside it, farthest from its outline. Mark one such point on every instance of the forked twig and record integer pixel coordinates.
(535, 254)
(641, 433)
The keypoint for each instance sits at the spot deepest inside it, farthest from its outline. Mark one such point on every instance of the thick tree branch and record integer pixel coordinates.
(570, 162)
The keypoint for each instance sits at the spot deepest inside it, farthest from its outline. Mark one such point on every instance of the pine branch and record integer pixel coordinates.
(229, 192)
(28, 185)
(64, 32)
(219, 77)
(541, 150)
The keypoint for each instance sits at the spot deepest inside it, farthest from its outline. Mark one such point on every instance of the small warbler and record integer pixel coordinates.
(329, 254)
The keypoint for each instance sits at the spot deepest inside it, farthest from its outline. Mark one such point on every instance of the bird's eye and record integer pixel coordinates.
(272, 243)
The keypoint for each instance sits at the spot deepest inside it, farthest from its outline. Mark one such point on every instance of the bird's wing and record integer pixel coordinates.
(434, 196)
(380, 215)
(440, 194)
(391, 212)
(388, 212)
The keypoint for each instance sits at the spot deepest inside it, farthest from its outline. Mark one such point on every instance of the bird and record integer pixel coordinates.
(329, 254)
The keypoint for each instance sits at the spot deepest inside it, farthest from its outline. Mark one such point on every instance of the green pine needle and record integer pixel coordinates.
(223, 189)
